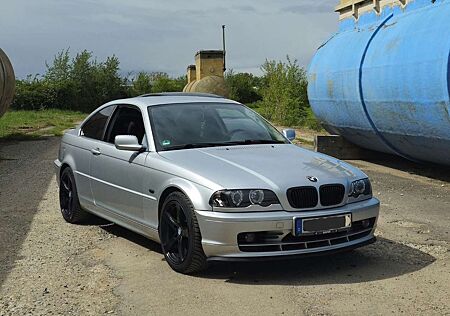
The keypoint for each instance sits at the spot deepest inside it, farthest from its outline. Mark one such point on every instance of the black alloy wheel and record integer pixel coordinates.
(68, 198)
(180, 235)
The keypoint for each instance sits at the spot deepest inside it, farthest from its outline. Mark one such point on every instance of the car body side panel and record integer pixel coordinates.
(159, 176)
(77, 155)
(117, 181)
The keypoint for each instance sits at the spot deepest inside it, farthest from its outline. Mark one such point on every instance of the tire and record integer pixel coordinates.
(180, 235)
(68, 199)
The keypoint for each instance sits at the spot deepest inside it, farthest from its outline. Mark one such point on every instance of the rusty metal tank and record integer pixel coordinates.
(383, 80)
(7, 82)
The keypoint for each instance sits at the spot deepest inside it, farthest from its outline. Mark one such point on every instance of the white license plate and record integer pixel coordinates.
(322, 225)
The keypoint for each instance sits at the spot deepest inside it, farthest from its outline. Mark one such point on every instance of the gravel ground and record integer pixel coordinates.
(50, 267)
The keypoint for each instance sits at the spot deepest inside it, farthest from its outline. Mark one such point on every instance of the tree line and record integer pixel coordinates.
(83, 83)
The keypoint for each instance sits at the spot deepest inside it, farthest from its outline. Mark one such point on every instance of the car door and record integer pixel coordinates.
(91, 134)
(117, 175)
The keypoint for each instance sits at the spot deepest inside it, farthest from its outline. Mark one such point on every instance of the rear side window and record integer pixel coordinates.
(95, 126)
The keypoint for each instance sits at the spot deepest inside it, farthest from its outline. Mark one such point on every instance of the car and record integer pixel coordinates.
(210, 179)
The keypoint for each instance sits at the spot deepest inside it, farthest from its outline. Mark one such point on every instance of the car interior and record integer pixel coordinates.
(126, 121)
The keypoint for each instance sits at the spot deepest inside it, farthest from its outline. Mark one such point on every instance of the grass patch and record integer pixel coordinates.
(24, 125)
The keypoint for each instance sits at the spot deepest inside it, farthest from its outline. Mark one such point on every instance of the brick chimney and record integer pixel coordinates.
(209, 63)
(191, 73)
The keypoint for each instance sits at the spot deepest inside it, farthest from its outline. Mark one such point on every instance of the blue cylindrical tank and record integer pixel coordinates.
(383, 82)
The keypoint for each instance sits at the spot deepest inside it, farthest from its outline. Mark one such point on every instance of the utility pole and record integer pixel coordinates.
(224, 49)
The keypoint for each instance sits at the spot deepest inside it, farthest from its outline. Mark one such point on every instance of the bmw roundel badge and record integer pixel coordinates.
(312, 179)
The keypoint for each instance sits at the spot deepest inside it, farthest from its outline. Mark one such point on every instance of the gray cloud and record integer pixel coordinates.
(245, 8)
(307, 7)
(156, 35)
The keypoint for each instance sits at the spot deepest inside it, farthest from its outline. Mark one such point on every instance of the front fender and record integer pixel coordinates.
(198, 194)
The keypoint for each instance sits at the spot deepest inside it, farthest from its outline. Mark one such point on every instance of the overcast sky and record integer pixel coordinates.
(160, 35)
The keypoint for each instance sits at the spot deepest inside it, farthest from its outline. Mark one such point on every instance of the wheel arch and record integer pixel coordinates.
(198, 195)
(163, 197)
(66, 163)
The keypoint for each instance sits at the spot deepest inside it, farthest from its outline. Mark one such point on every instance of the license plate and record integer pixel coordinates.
(322, 225)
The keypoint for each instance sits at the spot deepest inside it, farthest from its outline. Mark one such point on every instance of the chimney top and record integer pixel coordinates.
(209, 54)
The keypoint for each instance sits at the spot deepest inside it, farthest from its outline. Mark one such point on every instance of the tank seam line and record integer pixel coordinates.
(361, 94)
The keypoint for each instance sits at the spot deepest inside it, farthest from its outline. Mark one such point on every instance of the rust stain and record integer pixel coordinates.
(389, 25)
(446, 108)
(392, 44)
(330, 88)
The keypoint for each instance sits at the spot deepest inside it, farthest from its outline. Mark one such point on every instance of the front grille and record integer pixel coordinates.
(303, 197)
(273, 242)
(331, 194)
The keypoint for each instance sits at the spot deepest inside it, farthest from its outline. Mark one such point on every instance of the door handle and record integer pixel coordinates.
(96, 151)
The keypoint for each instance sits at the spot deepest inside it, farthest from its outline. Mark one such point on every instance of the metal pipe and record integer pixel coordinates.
(224, 50)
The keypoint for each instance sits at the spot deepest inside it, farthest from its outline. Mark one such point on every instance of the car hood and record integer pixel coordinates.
(273, 167)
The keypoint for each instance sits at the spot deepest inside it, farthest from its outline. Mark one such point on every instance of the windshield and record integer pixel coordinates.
(197, 125)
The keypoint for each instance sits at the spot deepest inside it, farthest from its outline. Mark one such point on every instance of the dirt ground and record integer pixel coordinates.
(48, 267)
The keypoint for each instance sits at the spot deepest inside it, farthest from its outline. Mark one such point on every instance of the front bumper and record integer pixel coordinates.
(220, 232)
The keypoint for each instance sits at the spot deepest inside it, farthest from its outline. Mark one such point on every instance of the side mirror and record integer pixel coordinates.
(128, 142)
(289, 134)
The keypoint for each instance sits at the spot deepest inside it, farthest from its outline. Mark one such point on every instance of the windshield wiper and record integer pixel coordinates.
(256, 142)
(193, 145)
(233, 143)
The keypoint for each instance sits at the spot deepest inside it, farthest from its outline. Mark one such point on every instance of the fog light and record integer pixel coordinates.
(250, 237)
(365, 223)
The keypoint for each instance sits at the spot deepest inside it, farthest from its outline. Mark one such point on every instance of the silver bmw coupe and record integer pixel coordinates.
(210, 179)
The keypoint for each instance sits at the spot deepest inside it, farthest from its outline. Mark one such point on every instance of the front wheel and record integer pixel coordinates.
(180, 235)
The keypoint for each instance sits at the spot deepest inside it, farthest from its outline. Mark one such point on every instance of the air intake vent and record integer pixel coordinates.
(331, 194)
(303, 197)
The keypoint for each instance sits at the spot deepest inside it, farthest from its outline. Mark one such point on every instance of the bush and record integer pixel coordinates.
(284, 93)
(311, 121)
(244, 87)
(141, 84)
(163, 83)
(82, 84)
(34, 94)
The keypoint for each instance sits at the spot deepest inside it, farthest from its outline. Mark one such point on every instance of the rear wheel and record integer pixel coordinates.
(68, 199)
(180, 235)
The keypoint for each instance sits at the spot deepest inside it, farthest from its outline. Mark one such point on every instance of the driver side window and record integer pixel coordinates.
(126, 120)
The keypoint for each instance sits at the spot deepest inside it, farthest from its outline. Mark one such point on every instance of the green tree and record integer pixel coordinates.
(141, 84)
(161, 82)
(284, 92)
(60, 69)
(243, 87)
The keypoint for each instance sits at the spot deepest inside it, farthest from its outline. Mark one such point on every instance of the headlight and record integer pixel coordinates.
(243, 198)
(360, 187)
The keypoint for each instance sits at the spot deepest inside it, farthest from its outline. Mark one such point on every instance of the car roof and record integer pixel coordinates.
(153, 99)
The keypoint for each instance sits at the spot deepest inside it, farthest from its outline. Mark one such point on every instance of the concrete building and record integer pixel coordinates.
(207, 75)
(355, 8)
